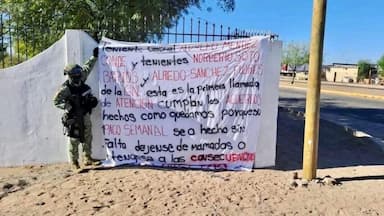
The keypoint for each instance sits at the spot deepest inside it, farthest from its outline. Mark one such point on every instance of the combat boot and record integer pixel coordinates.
(75, 166)
(91, 162)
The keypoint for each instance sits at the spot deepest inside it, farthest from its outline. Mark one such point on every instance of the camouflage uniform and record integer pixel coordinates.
(61, 100)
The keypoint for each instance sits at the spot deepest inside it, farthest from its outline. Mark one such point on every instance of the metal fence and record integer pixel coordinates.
(17, 43)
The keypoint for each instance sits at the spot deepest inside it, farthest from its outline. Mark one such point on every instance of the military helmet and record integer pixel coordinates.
(72, 70)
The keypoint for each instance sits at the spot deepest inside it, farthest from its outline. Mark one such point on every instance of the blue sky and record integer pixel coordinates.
(354, 29)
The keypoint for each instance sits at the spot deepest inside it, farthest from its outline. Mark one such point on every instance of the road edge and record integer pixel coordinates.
(356, 133)
(349, 94)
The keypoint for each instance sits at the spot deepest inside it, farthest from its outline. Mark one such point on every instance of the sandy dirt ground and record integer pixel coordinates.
(356, 186)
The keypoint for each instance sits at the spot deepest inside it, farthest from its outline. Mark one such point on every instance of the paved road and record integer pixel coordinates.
(362, 114)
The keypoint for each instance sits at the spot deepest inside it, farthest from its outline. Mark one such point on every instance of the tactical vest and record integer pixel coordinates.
(77, 90)
(79, 98)
(73, 120)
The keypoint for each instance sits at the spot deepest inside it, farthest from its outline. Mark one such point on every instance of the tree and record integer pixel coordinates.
(364, 68)
(42, 22)
(3, 52)
(295, 54)
(380, 62)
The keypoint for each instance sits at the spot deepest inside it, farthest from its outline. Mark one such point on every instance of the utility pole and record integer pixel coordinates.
(312, 106)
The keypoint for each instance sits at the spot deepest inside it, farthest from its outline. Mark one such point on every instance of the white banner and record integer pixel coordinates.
(195, 105)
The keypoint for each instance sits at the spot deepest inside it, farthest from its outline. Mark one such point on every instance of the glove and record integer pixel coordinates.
(67, 107)
(96, 52)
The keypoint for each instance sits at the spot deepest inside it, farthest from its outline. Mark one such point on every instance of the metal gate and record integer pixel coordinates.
(18, 43)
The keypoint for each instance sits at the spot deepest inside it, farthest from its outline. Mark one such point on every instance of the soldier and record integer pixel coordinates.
(75, 98)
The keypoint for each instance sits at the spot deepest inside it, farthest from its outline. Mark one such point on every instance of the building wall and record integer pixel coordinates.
(266, 143)
(30, 125)
(342, 73)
